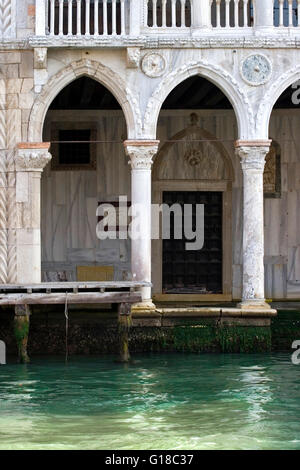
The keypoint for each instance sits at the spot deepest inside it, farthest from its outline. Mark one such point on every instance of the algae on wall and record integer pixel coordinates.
(206, 337)
(21, 331)
(285, 329)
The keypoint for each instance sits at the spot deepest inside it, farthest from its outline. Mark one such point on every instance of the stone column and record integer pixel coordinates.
(264, 11)
(40, 17)
(30, 160)
(252, 155)
(201, 17)
(135, 19)
(141, 155)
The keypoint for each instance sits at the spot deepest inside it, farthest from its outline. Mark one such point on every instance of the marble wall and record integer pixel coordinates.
(70, 198)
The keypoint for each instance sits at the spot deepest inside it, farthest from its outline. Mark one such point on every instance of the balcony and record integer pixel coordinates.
(130, 22)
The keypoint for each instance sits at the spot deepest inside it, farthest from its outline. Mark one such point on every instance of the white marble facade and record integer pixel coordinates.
(69, 199)
(253, 64)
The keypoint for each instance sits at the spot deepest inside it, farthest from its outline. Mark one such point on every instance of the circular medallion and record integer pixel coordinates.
(153, 65)
(256, 69)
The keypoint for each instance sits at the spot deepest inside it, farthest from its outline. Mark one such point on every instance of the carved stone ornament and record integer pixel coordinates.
(40, 58)
(153, 65)
(253, 158)
(133, 57)
(32, 159)
(141, 155)
(256, 69)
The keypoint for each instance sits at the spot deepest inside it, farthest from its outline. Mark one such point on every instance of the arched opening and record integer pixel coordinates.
(282, 195)
(86, 127)
(197, 165)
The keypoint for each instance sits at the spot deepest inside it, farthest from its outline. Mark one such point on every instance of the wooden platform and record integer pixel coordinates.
(71, 292)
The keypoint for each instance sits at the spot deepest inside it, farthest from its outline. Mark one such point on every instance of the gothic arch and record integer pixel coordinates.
(219, 77)
(95, 70)
(271, 96)
(211, 171)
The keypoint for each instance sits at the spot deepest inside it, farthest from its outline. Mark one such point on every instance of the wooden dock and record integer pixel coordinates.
(22, 296)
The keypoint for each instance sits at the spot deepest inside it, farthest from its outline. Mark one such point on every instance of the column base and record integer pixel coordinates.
(201, 31)
(252, 304)
(147, 306)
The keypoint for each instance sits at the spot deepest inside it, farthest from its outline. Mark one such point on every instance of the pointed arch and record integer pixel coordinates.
(95, 70)
(270, 98)
(204, 136)
(219, 77)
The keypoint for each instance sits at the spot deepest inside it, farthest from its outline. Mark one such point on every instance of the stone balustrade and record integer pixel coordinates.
(133, 18)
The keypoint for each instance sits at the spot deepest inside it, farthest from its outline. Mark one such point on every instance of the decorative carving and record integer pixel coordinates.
(3, 218)
(29, 159)
(153, 65)
(6, 19)
(40, 58)
(256, 69)
(206, 69)
(193, 154)
(11, 218)
(253, 158)
(133, 57)
(272, 173)
(141, 154)
(97, 71)
(273, 92)
(193, 157)
(213, 41)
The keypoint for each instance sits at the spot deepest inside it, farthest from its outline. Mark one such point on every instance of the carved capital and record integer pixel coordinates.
(141, 153)
(32, 157)
(253, 157)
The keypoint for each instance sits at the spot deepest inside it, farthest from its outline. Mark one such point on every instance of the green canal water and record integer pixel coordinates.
(162, 401)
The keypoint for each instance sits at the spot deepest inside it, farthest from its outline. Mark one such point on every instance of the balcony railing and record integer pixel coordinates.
(133, 18)
(286, 13)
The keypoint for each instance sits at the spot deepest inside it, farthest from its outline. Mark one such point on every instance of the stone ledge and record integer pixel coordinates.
(211, 312)
(229, 316)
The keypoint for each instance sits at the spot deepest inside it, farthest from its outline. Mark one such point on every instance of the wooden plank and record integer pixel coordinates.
(60, 298)
(76, 285)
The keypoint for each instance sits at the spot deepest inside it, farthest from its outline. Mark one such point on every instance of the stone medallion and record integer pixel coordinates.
(256, 69)
(153, 64)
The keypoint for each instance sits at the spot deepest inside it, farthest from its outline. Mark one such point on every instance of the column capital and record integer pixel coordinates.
(252, 153)
(141, 153)
(32, 157)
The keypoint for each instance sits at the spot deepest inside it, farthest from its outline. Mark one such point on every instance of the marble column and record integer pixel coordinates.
(252, 155)
(201, 17)
(264, 14)
(141, 155)
(30, 160)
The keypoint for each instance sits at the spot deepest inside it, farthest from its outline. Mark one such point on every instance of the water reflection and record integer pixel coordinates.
(161, 402)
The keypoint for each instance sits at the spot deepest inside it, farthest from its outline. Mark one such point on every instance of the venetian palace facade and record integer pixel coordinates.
(199, 96)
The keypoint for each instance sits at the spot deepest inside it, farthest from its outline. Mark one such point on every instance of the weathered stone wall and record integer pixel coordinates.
(31, 78)
(97, 333)
(16, 82)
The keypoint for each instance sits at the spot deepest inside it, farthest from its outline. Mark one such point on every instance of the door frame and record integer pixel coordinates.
(224, 186)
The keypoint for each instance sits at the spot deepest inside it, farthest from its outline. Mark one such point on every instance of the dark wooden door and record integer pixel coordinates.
(194, 272)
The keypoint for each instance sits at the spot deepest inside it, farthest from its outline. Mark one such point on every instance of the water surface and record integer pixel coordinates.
(163, 401)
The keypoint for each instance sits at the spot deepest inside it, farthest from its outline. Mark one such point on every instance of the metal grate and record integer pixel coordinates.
(195, 272)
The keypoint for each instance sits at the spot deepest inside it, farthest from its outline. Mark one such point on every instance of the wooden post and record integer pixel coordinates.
(124, 324)
(21, 330)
